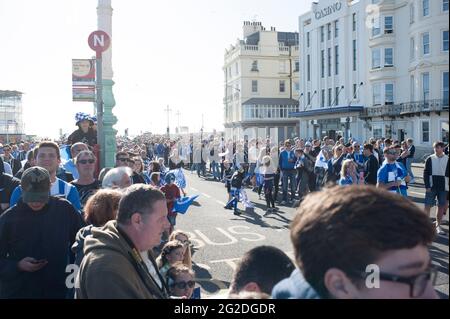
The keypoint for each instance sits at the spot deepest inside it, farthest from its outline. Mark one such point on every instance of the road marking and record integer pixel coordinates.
(206, 195)
(194, 189)
(220, 203)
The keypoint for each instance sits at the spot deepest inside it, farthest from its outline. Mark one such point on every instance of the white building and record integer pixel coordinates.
(11, 117)
(375, 68)
(261, 84)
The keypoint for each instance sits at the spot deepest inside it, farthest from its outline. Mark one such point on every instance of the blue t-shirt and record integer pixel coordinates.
(389, 173)
(347, 180)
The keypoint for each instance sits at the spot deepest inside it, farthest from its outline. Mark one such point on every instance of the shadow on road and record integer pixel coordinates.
(206, 281)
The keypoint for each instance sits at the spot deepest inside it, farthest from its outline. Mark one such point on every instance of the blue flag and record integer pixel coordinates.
(64, 151)
(182, 205)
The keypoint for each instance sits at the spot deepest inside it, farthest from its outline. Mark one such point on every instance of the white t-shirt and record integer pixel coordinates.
(151, 268)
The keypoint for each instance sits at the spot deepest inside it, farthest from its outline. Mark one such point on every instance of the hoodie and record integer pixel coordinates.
(113, 269)
(294, 287)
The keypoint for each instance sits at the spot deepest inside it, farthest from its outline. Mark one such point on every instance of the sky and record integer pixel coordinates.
(164, 53)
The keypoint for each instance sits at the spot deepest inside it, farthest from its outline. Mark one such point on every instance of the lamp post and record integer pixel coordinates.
(168, 110)
(347, 129)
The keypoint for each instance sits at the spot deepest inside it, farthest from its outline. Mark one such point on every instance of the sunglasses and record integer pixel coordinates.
(122, 159)
(184, 284)
(84, 162)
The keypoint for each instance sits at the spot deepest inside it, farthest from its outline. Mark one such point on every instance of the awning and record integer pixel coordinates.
(270, 101)
(328, 111)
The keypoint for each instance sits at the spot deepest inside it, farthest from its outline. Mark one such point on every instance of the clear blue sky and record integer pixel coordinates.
(165, 53)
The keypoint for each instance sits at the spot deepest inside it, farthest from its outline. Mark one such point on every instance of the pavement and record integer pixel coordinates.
(220, 238)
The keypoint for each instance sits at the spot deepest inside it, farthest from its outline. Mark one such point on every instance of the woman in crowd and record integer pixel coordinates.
(349, 174)
(138, 176)
(183, 238)
(171, 253)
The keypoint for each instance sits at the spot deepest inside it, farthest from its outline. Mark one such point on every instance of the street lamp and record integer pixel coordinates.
(337, 95)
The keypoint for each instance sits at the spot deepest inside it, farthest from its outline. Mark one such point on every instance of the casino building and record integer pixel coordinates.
(375, 68)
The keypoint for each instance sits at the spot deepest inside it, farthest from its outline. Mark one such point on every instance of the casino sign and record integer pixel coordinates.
(328, 10)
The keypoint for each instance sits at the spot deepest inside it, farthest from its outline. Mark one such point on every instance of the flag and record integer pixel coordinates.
(181, 206)
(64, 151)
(245, 200)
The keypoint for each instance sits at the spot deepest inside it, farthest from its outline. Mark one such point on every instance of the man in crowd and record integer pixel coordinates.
(287, 167)
(392, 175)
(410, 158)
(15, 164)
(370, 166)
(47, 156)
(387, 241)
(118, 262)
(34, 239)
(122, 159)
(7, 185)
(436, 178)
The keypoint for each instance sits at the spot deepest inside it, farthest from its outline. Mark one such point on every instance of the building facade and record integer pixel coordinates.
(375, 68)
(261, 84)
(11, 117)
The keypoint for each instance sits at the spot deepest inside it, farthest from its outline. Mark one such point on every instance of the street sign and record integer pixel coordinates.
(83, 72)
(99, 41)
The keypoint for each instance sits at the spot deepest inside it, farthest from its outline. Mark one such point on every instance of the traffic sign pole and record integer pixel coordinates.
(99, 41)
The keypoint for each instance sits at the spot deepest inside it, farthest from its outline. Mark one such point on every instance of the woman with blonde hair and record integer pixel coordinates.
(183, 238)
(348, 173)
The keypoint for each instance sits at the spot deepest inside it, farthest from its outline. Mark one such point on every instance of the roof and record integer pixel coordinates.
(270, 101)
(10, 93)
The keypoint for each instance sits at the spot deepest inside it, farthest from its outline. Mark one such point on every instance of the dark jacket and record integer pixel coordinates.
(16, 165)
(89, 138)
(371, 167)
(236, 180)
(294, 287)
(112, 269)
(45, 234)
(7, 186)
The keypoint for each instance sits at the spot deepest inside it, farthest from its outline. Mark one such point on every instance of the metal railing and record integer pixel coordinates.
(406, 108)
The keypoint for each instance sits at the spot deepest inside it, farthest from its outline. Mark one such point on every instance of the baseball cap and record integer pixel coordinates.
(348, 145)
(35, 185)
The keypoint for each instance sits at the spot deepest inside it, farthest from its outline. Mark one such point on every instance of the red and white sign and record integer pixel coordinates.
(99, 41)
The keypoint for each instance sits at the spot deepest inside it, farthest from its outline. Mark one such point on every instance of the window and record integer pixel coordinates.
(355, 88)
(426, 86)
(444, 5)
(412, 85)
(282, 86)
(322, 98)
(254, 86)
(322, 63)
(444, 132)
(308, 40)
(425, 8)
(336, 60)
(425, 127)
(388, 25)
(329, 61)
(426, 43)
(376, 58)
(445, 41)
(412, 49)
(354, 55)
(445, 88)
(376, 94)
(329, 31)
(297, 66)
(236, 68)
(329, 96)
(255, 65)
(336, 29)
(388, 57)
(297, 86)
(376, 27)
(354, 22)
(322, 33)
(411, 13)
(308, 65)
(377, 131)
(389, 94)
(336, 97)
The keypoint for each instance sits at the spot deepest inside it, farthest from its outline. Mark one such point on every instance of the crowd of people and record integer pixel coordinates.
(120, 222)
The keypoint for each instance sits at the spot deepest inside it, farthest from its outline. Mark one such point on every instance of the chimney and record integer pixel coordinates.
(252, 27)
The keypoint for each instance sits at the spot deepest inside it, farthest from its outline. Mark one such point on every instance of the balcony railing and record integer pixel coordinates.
(407, 108)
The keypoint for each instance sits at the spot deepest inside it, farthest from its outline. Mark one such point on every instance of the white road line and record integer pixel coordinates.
(220, 203)
(206, 195)
(194, 189)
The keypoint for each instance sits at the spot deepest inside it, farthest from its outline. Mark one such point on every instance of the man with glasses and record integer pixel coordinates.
(122, 159)
(8, 158)
(436, 176)
(387, 240)
(392, 175)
